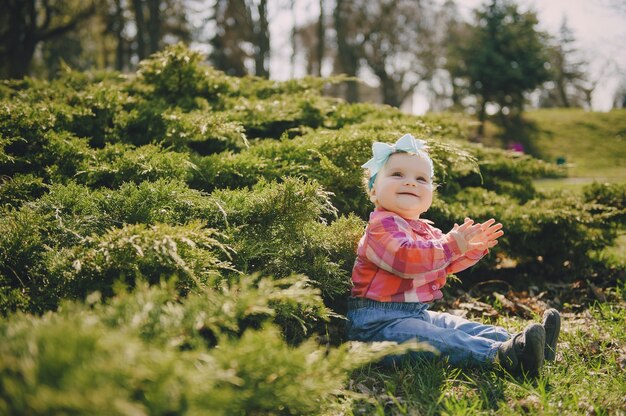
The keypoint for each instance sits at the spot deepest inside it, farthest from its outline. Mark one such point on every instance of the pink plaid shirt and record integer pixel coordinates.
(402, 260)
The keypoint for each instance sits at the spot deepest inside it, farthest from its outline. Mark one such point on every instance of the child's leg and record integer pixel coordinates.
(400, 322)
(460, 347)
(446, 320)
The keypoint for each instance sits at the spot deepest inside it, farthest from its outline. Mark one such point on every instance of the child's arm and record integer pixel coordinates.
(391, 247)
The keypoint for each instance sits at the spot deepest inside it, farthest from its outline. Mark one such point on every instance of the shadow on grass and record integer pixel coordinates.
(428, 387)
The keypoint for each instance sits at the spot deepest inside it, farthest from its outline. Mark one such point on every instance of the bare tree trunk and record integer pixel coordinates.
(154, 25)
(321, 44)
(118, 29)
(482, 117)
(263, 45)
(588, 92)
(23, 27)
(294, 43)
(388, 88)
(140, 24)
(347, 55)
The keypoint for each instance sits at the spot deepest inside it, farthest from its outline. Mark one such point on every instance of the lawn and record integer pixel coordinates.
(592, 143)
(587, 378)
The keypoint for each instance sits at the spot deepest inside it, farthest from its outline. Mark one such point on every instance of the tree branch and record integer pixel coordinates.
(59, 30)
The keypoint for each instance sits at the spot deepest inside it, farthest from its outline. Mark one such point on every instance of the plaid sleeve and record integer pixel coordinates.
(392, 247)
(465, 261)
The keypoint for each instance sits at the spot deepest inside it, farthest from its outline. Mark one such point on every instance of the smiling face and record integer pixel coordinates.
(404, 186)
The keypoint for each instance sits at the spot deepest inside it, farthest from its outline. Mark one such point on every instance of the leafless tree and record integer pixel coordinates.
(24, 24)
(241, 36)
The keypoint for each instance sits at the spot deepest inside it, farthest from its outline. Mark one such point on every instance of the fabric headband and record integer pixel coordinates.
(382, 151)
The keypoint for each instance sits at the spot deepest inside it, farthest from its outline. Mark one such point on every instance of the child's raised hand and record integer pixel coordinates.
(488, 237)
(464, 234)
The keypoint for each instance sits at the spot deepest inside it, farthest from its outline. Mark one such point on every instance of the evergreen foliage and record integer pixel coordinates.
(501, 58)
(151, 352)
(232, 190)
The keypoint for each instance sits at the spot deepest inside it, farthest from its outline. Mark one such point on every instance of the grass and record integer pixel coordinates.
(593, 145)
(587, 377)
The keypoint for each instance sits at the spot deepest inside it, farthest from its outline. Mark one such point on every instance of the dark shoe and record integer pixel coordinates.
(510, 352)
(532, 354)
(524, 351)
(552, 325)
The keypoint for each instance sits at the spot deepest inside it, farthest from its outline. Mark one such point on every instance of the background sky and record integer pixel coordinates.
(599, 27)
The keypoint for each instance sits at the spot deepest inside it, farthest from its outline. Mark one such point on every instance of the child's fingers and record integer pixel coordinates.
(485, 225)
(494, 226)
(466, 225)
(493, 229)
(495, 235)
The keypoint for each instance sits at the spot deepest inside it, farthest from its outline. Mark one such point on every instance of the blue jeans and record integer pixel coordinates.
(463, 342)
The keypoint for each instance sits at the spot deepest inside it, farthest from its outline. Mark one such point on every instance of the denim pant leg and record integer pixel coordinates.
(477, 329)
(401, 322)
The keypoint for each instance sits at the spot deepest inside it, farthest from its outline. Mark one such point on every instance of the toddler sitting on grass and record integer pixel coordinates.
(402, 263)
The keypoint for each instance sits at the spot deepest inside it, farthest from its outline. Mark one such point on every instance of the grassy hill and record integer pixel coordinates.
(593, 144)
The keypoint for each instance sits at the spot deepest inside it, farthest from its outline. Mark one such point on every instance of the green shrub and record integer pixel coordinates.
(137, 252)
(271, 117)
(23, 126)
(91, 112)
(274, 228)
(175, 74)
(72, 216)
(141, 123)
(64, 155)
(163, 201)
(202, 131)
(230, 170)
(328, 253)
(74, 213)
(608, 195)
(119, 163)
(253, 86)
(267, 223)
(6, 159)
(344, 114)
(12, 299)
(333, 158)
(507, 173)
(148, 352)
(22, 246)
(20, 188)
(532, 229)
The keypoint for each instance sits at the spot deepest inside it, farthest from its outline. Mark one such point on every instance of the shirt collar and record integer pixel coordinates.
(418, 224)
